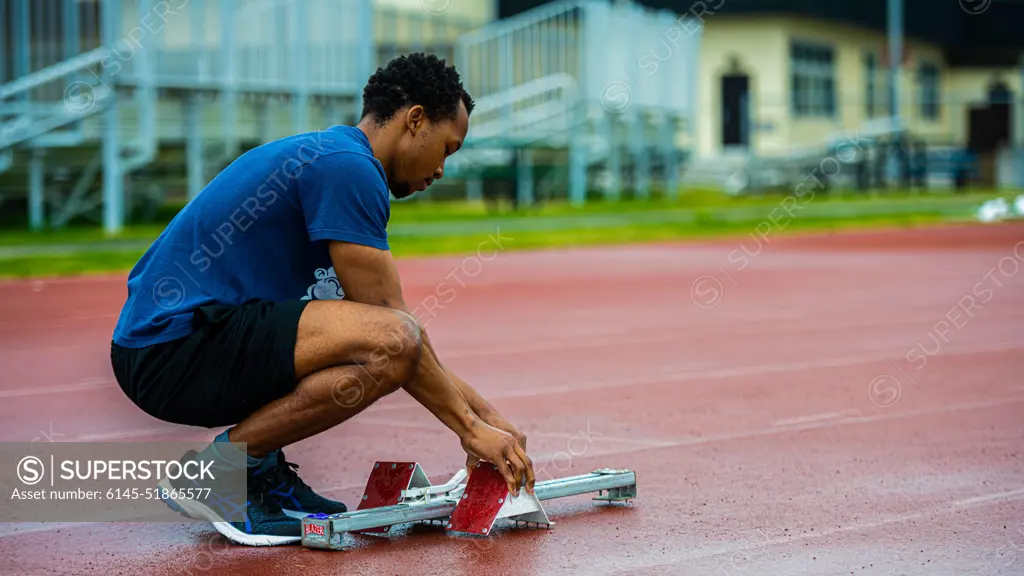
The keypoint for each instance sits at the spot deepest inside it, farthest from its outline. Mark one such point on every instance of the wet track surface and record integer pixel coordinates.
(845, 404)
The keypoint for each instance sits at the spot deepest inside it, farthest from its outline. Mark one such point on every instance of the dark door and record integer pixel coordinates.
(989, 127)
(734, 110)
(1000, 101)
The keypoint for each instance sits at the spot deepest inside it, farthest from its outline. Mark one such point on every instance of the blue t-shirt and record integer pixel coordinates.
(260, 230)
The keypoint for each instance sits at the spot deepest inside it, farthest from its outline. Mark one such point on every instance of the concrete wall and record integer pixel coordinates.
(175, 24)
(478, 12)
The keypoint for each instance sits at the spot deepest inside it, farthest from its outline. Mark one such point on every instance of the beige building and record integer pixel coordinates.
(797, 81)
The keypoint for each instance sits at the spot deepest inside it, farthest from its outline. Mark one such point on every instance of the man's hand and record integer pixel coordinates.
(499, 422)
(500, 448)
(485, 412)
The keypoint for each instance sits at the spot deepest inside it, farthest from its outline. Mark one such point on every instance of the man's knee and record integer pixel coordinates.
(395, 359)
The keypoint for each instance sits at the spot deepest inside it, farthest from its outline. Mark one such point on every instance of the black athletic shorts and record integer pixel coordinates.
(237, 360)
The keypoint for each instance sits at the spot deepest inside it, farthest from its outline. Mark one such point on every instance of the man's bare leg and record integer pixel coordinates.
(347, 356)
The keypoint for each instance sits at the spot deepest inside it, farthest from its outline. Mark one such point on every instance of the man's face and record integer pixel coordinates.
(423, 149)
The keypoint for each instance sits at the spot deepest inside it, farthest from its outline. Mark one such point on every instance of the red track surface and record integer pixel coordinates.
(765, 434)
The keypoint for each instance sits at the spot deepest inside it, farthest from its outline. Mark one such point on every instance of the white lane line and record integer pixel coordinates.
(616, 565)
(589, 434)
(88, 317)
(815, 417)
(533, 434)
(83, 386)
(142, 433)
(398, 424)
(101, 278)
(19, 528)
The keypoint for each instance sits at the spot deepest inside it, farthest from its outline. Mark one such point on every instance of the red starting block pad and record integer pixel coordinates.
(486, 499)
(400, 493)
(385, 485)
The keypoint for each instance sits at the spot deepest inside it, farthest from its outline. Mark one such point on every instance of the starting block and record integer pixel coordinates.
(387, 484)
(400, 493)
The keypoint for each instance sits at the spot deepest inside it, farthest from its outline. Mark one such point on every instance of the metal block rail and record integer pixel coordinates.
(397, 494)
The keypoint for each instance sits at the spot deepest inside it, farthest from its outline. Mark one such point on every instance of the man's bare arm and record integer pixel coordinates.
(483, 408)
(385, 290)
(366, 277)
(369, 276)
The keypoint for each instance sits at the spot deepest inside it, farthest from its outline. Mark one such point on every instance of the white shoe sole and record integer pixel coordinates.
(200, 511)
(295, 513)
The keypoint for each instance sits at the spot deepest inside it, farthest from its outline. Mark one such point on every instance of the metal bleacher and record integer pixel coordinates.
(106, 101)
(564, 85)
(109, 106)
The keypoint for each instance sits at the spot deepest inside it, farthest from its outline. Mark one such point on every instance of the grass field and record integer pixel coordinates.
(451, 228)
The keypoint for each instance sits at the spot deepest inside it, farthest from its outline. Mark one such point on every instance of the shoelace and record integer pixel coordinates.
(289, 470)
(259, 488)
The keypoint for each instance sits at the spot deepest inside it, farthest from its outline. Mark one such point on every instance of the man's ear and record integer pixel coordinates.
(415, 119)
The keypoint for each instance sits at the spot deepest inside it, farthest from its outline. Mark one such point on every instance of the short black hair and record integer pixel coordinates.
(412, 79)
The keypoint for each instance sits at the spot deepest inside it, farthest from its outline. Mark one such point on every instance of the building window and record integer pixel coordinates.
(878, 86)
(999, 93)
(871, 87)
(813, 80)
(928, 78)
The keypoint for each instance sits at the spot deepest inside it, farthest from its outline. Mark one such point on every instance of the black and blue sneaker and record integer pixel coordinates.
(257, 519)
(291, 494)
